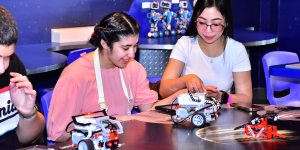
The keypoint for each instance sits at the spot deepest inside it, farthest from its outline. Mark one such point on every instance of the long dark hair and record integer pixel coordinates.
(112, 28)
(224, 6)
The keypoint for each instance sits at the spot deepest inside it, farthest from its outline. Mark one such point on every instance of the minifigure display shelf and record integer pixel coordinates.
(141, 11)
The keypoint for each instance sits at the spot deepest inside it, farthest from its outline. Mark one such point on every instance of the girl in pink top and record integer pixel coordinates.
(77, 90)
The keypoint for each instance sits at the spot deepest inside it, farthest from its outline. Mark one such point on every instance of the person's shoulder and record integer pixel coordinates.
(80, 68)
(16, 65)
(235, 50)
(135, 71)
(234, 43)
(185, 44)
(186, 39)
(15, 60)
(133, 65)
(235, 46)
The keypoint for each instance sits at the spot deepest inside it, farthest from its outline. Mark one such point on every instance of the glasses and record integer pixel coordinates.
(214, 27)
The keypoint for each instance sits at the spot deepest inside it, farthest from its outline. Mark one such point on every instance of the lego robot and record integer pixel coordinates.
(153, 21)
(259, 128)
(167, 16)
(183, 18)
(197, 107)
(95, 132)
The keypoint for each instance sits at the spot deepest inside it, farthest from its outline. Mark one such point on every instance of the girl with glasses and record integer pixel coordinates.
(207, 59)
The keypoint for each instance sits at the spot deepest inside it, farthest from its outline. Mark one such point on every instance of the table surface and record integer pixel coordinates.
(218, 134)
(38, 58)
(281, 71)
(253, 38)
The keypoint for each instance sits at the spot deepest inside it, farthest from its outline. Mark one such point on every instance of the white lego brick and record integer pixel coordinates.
(76, 34)
(175, 1)
(146, 5)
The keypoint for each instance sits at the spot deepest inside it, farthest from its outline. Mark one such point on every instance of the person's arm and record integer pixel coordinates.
(171, 81)
(243, 87)
(29, 130)
(241, 72)
(165, 101)
(66, 102)
(65, 136)
(23, 97)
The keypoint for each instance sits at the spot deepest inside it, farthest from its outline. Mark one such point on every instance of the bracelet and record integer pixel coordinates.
(224, 97)
(30, 116)
(229, 99)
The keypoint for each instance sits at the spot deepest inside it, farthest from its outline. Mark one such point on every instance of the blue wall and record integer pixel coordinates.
(246, 13)
(35, 18)
(289, 26)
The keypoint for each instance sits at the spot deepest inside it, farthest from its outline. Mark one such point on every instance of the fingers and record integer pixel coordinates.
(212, 91)
(26, 85)
(196, 86)
(15, 74)
(17, 77)
(202, 87)
(211, 88)
(19, 81)
(192, 87)
(31, 93)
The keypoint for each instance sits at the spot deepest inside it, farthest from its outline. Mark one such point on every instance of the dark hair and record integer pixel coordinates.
(8, 28)
(224, 6)
(113, 27)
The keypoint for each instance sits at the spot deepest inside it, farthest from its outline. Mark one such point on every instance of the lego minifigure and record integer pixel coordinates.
(154, 18)
(167, 18)
(184, 17)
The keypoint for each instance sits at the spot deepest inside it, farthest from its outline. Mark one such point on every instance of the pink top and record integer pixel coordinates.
(76, 93)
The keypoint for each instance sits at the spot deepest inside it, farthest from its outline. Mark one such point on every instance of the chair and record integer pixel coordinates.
(45, 103)
(154, 79)
(275, 84)
(73, 55)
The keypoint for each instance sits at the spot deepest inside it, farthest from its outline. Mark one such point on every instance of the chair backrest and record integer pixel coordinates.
(277, 83)
(154, 79)
(45, 103)
(73, 55)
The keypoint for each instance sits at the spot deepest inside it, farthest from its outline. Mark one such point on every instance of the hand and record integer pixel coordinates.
(22, 94)
(212, 91)
(194, 84)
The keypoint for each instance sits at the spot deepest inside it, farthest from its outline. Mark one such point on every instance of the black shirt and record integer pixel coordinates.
(9, 140)
(15, 65)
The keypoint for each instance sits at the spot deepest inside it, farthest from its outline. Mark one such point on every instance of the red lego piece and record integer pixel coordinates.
(262, 130)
